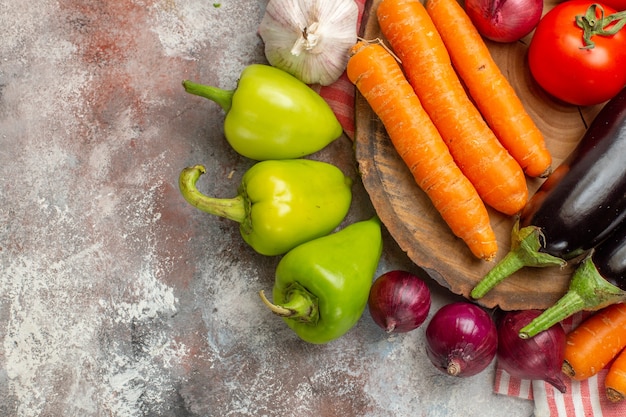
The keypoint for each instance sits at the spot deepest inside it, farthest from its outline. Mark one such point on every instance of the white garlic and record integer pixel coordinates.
(310, 39)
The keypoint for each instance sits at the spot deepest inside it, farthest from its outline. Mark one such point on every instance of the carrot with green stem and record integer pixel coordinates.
(615, 380)
(595, 342)
(379, 78)
(497, 177)
(493, 94)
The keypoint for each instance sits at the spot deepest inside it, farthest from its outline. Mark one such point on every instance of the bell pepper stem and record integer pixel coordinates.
(588, 290)
(525, 246)
(222, 97)
(230, 208)
(278, 310)
(299, 304)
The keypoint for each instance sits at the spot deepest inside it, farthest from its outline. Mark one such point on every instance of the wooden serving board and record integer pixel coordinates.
(417, 227)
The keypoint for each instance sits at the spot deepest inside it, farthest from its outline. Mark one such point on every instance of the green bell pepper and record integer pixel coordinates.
(280, 204)
(322, 286)
(272, 115)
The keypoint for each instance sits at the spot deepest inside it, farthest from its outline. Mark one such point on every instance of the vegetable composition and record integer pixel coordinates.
(615, 380)
(322, 286)
(578, 52)
(310, 40)
(497, 177)
(272, 115)
(280, 204)
(504, 20)
(488, 87)
(595, 342)
(399, 301)
(578, 206)
(379, 78)
(461, 339)
(539, 358)
(599, 281)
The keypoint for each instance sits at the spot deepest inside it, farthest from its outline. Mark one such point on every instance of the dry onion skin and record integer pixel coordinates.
(310, 39)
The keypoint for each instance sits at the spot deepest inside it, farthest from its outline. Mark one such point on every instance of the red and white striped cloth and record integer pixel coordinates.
(340, 94)
(582, 399)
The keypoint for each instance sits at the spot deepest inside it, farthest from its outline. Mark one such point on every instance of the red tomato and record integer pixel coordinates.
(616, 4)
(570, 73)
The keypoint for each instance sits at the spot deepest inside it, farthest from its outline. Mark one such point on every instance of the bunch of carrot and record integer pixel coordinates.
(441, 53)
(379, 78)
(600, 341)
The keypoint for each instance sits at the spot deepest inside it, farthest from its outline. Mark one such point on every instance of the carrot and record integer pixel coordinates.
(379, 78)
(615, 380)
(497, 177)
(595, 342)
(493, 94)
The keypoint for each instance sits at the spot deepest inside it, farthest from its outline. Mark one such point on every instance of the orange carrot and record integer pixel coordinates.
(615, 380)
(497, 177)
(595, 342)
(379, 78)
(493, 94)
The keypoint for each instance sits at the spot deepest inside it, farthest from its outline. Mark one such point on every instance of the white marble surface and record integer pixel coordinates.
(119, 299)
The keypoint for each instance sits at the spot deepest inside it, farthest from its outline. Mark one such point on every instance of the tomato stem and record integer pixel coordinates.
(593, 25)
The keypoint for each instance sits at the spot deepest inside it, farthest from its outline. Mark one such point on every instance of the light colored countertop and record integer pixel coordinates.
(117, 298)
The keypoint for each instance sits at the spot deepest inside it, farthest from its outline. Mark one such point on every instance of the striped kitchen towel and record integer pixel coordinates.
(340, 94)
(582, 398)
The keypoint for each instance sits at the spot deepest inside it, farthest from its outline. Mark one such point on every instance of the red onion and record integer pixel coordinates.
(399, 301)
(504, 20)
(539, 357)
(461, 339)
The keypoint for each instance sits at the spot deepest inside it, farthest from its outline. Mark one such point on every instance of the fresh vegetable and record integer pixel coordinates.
(310, 40)
(322, 286)
(615, 380)
(280, 204)
(399, 301)
(595, 342)
(599, 281)
(380, 80)
(504, 20)
(461, 339)
(539, 358)
(491, 91)
(412, 35)
(578, 52)
(616, 4)
(578, 206)
(272, 115)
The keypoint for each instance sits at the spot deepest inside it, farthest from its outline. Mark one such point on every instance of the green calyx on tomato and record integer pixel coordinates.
(322, 286)
(272, 114)
(602, 26)
(280, 204)
(578, 52)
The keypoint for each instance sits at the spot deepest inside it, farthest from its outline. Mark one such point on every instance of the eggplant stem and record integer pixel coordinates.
(588, 290)
(525, 246)
(507, 266)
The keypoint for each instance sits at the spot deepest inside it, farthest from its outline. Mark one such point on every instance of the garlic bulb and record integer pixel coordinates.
(310, 39)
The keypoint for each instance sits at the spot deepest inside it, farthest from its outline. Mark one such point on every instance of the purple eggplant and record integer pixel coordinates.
(599, 281)
(579, 204)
